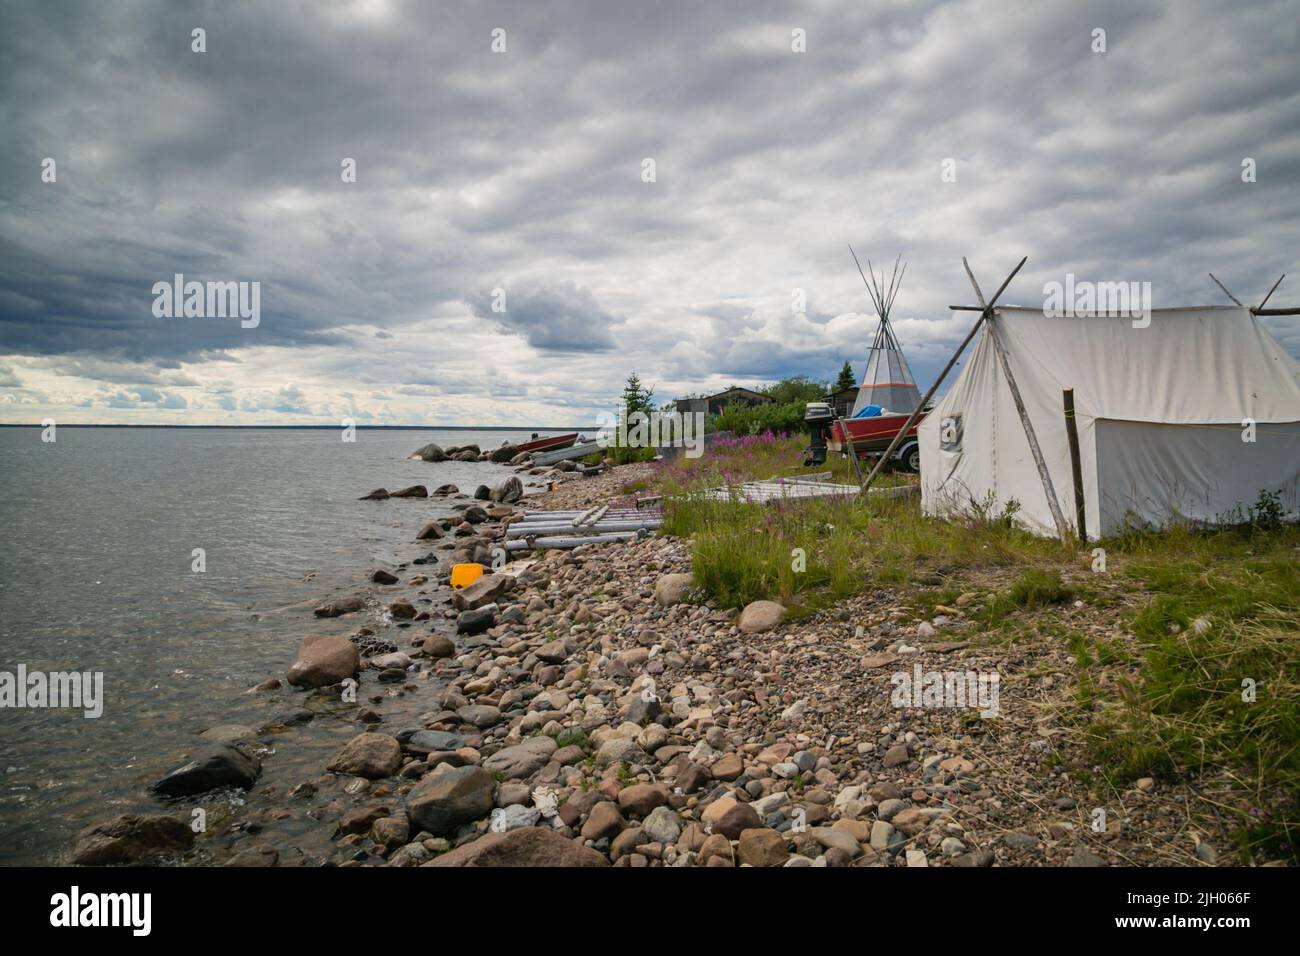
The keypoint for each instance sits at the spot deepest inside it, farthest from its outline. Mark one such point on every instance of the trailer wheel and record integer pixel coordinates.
(912, 458)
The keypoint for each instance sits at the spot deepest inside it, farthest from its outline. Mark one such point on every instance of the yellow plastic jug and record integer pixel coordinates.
(463, 575)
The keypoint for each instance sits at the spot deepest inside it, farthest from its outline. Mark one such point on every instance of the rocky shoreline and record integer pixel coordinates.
(580, 708)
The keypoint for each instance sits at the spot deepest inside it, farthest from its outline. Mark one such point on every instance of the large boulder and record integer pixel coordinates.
(483, 591)
(324, 659)
(443, 802)
(672, 589)
(504, 453)
(430, 452)
(373, 756)
(760, 616)
(130, 838)
(220, 765)
(379, 494)
(509, 491)
(530, 846)
(522, 760)
(415, 491)
(430, 531)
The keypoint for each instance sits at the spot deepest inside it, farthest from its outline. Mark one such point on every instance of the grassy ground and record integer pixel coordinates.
(1193, 667)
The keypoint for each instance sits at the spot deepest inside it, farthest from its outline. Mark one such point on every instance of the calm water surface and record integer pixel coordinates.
(99, 528)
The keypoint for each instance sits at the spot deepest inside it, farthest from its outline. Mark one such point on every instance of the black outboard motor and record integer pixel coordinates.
(818, 416)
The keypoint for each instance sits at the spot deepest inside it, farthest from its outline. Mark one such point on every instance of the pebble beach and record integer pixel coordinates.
(585, 707)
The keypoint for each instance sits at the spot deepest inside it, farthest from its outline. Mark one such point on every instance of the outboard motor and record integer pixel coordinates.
(818, 416)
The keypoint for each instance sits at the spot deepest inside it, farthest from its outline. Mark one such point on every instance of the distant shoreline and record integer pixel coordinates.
(408, 428)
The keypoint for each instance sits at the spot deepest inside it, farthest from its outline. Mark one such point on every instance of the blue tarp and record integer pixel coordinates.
(869, 411)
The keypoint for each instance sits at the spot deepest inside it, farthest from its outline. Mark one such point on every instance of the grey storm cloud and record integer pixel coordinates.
(560, 318)
(225, 166)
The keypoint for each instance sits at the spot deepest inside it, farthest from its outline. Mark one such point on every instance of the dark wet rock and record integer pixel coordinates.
(430, 532)
(220, 765)
(475, 515)
(402, 610)
(430, 452)
(384, 577)
(414, 491)
(504, 453)
(482, 493)
(228, 733)
(379, 494)
(446, 490)
(340, 607)
(477, 620)
(324, 659)
(442, 802)
(361, 819)
(130, 838)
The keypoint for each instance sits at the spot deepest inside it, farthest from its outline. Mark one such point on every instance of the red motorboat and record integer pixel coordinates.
(549, 443)
(871, 436)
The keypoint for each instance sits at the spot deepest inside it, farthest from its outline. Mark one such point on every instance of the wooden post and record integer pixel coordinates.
(853, 452)
(1072, 432)
(1053, 505)
(984, 314)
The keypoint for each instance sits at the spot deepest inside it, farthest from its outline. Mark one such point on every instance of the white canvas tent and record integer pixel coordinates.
(1160, 415)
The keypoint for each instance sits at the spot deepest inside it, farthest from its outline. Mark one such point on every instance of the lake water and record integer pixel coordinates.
(99, 530)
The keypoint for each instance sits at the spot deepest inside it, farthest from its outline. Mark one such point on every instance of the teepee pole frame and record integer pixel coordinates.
(1259, 309)
(985, 311)
(1062, 529)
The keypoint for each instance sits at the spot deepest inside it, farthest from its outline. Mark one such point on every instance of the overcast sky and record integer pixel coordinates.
(524, 171)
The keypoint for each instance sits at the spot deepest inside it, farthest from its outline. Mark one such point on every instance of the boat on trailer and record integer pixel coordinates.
(548, 443)
(873, 436)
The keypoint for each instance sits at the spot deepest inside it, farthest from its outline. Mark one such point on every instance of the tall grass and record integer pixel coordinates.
(1223, 620)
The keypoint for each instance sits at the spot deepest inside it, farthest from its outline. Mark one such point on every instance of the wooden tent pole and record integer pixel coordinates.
(1062, 529)
(1271, 291)
(916, 413)
(1072, 432)
(1225, 289)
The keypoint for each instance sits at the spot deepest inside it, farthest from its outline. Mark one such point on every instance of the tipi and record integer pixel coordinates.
(887, 381)
(1190, 416)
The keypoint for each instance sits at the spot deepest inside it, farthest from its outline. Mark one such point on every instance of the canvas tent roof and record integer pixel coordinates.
(1159, 412)
(887, 381)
